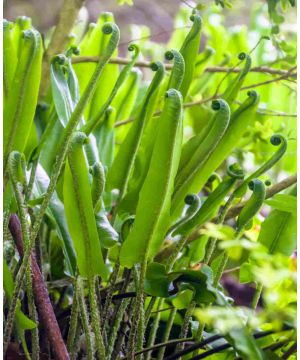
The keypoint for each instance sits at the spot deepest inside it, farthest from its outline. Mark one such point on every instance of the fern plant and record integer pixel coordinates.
(128, 195)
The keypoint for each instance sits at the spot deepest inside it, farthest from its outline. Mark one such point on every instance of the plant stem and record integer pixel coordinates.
(85, 321)
(35, 348)
(154, 327)
(256, 296)
(121, 334)
(186, 323)
(139, 301)
(73, 318)
(95, 318)
(31, 179)
(199, 335)
(167, 332)
(149, 310)
(140, 330)
(220, 268)
(116, 325)
(109, 294)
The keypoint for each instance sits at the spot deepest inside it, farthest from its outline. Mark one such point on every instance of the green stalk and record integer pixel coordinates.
(256, 296)
(154, 328)
(35, 348)
(14, 161)
(95, 318)
(109, 294)
(166, 334)
(139, 301)
(116, 325)
(73, 318)
(31, 179)
(185, 325)
(85, 321)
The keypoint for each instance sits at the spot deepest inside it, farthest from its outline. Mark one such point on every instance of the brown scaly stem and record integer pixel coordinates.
(41, 296)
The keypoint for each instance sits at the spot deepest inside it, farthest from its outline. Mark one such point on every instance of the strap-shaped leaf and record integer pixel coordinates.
(120, 171)
(238, 124)
(64, 104)
(80, 211)
(153, 210)
(187, 179)
(20, 108)
(279, 230)
(56, 211)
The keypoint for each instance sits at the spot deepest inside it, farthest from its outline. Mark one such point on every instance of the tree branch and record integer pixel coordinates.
(214, 69)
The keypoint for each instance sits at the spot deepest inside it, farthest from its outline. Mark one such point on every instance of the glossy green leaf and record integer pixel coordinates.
(152, 215)
(56, 211)
(156, 280)
(279, 232)
(283, 202)
(187, 178)
(244, 343)
(120, 171)
(20, 109)
(79, 212)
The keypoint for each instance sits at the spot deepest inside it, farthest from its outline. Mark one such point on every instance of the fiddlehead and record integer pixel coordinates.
(253, 205)
(94, 121)
(186, 179)
(232, 90)
(276, 140)
(178, 70)
(213, 201)
(193, 202)
(120, 171)
(189, 51)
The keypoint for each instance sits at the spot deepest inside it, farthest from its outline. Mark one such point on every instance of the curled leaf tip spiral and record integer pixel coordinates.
(216, 105)
(252, 93)
(276, 139)
(190, 199)
(154, 66)
(59, 59)
(254, 183)
(169, 55)
(235, 171)
(107, 28)
(242, 55)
